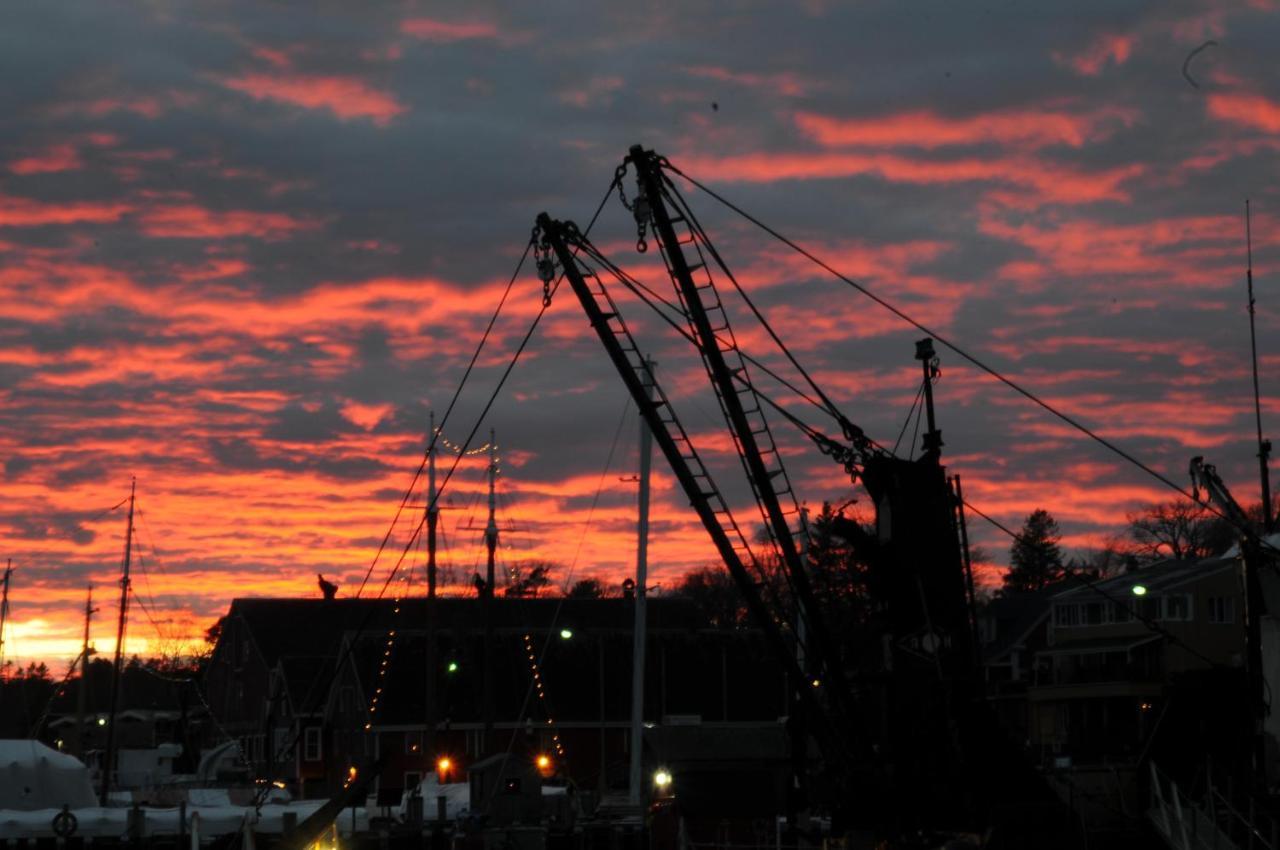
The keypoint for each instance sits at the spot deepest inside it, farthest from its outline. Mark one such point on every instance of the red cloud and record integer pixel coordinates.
(346, 97)
(428, 29)
(1031, 128)
(785, 84)
(1111, 48)
(195, 222)
(53, 158)
(1049, 182)
(24, 212)
(596, 90)
(1246, 109)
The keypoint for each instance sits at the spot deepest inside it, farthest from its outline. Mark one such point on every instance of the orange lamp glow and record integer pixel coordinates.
(544, 763)
(443, 765)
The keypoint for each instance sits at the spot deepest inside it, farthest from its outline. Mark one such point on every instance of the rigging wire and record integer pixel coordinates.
(260, 796)
(639, 289)
(705, 240)
(648, 296)
(907, 421)
(917, 409)
(973, 359)
(555, 615)
(448, 411)
(915, 435)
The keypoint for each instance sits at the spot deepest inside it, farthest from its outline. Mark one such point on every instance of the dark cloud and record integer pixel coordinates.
(245, 253)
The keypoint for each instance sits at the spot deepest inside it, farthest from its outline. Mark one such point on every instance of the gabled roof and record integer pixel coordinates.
(1016, 616)
(1158, 577)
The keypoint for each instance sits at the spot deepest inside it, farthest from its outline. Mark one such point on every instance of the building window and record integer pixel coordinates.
(1222, 609)
(412, 779)
(412, 743)
(1177, 606)
(311, 749)
(1066, 615)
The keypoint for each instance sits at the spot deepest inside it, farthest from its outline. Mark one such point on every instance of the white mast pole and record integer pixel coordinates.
(639, 632)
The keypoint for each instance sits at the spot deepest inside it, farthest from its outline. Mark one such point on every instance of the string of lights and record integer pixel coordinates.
(384, 663)
(540, 687)
(458, 450)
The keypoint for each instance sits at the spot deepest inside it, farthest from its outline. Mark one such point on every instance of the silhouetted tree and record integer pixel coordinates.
(587, 588)
(529, 578)
(713, 591)
(1035, 559)
(1179, 529)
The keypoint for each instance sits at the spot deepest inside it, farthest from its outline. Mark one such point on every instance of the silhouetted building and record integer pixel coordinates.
(302, 683)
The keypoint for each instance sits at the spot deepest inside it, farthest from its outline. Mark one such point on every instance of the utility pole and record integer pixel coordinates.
(639, 633)
(1264, 446)
(433, 509)
(491, 546)
(433, 518)
(4, 611)
(83, 696)
(108, 763)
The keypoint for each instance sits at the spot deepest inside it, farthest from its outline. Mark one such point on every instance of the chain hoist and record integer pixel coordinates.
(638, 208)
(546, 265)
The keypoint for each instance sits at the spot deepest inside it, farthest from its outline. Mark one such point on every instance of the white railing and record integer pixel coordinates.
(1185, 825)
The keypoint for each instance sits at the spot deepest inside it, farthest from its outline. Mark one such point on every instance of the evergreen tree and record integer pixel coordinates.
(1035, 559)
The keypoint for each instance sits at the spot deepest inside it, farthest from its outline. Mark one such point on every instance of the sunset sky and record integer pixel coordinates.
(245, 249)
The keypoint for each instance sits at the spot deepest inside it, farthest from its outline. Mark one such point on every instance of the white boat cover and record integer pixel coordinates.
(34, 776)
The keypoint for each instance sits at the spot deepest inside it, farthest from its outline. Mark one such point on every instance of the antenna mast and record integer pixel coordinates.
(1264, 446)
(4, 612)
(108, 765)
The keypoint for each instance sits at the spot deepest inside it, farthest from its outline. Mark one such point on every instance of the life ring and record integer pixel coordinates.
(65, 823)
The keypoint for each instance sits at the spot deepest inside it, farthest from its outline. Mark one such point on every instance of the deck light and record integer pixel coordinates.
(565, 634)
(444, 764)
(544, 764)
(1139, 590)
(662, 778)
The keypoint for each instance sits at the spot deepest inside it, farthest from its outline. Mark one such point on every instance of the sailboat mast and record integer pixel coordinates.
(83, 696)
(4, 611)
(433, 510)
(1264, 446)
(108, 762)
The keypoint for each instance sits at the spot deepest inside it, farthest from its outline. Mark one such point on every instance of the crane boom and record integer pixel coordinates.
(742, 410)
(560, 238)
(914, 726)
